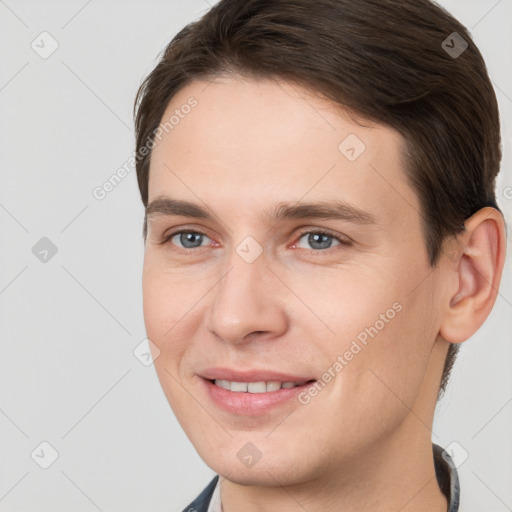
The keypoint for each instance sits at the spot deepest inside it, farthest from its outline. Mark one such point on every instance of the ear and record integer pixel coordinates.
(474, 275)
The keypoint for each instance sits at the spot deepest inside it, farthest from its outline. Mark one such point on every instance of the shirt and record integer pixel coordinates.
(446, 474)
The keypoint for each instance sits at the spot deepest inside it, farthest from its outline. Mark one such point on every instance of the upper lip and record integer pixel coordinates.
(252, 375)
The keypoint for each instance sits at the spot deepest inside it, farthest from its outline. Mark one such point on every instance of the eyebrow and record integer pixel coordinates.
(333, 209)
(167, 206)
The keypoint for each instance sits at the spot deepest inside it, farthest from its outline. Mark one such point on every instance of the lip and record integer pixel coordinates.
(251, 375)
(251, 404)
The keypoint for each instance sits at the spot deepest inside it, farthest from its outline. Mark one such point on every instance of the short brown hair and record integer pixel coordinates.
(387, 60)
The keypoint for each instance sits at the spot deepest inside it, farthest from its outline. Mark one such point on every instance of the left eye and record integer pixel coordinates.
(189, 239)
(318, 240)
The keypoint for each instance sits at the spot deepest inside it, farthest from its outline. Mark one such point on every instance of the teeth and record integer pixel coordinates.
(273, 385)
(223, 384)
(255, 387)
(239, 386)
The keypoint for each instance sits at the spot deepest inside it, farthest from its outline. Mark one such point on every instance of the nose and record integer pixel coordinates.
(248, 303)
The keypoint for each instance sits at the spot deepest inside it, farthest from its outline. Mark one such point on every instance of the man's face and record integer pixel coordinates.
(272, 287)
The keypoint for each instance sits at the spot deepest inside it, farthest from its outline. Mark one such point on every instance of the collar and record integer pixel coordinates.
(447, 477)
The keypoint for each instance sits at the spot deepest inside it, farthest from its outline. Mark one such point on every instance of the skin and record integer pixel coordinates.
(364, 442)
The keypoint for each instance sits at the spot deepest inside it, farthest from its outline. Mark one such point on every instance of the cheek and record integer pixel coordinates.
(379, 331)
(348, 302)
(156, 306)
(165, 307)
(166, 304)
(396, 358)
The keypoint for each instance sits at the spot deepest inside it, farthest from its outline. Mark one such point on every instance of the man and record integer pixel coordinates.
(321, 234)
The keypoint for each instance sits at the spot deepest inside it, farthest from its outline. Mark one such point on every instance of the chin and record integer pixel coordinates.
(270, 468)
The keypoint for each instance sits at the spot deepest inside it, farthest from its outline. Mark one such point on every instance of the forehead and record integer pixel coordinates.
(259, 142)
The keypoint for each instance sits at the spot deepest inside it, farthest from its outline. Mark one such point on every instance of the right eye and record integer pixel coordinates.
(187, 239)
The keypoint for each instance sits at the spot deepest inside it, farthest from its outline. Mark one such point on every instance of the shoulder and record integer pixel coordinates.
(201, 503)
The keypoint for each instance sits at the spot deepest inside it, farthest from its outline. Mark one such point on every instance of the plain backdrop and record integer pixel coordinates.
(70, 282)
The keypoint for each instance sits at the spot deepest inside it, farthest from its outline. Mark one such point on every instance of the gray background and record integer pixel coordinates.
(70, 324)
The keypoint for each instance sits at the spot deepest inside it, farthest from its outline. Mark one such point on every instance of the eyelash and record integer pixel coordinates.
(345, 242)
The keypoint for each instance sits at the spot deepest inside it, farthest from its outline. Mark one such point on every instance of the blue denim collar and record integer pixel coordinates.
(447, 477)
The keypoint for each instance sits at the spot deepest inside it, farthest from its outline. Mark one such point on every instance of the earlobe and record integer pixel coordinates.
(478, 269)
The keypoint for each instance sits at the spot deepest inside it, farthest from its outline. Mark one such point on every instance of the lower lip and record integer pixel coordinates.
(251, 404)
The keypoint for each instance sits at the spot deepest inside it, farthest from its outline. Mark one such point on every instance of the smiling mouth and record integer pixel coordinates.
(257, 387)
